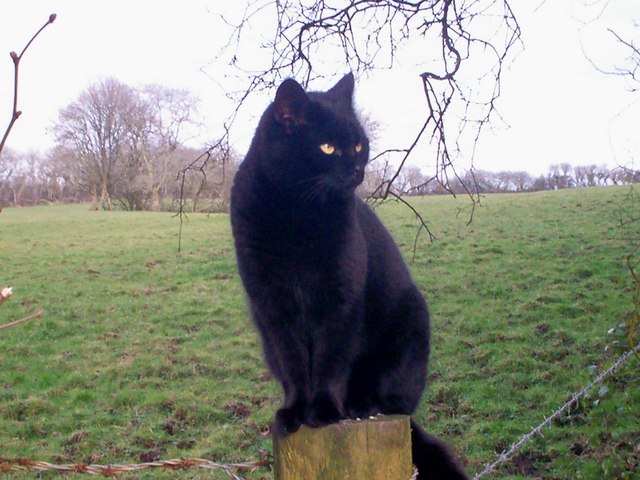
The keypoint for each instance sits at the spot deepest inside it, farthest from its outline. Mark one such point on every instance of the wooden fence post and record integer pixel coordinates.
(374, 449)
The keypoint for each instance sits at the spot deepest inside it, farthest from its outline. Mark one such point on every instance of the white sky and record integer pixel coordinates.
(559, 109)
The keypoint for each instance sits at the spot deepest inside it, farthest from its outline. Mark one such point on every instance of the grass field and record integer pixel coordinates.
(143, 353)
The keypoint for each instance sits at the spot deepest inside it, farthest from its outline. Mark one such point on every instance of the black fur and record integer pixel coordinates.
(343, 326)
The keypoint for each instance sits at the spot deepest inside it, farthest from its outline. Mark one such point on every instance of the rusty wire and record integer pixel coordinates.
(230, 469)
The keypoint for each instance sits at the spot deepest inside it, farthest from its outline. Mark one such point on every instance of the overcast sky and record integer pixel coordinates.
(557, 106)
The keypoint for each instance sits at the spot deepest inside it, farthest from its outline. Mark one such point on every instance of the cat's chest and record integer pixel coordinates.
(315, 287)
(300, 235)
(305, 259)
(297, 248)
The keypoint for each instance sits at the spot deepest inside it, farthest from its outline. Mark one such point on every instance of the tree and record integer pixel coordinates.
(21, 178)
(95, 128)
(410, 180)
(7, 165)
(154, 133)
(602, 175)
(560, 177)
(25, 180)
(120, 141)
(580, 175)
(462, 47)
(61, 169)
(485, 181)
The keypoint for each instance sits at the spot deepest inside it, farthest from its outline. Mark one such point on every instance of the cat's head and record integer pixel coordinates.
(315, 145)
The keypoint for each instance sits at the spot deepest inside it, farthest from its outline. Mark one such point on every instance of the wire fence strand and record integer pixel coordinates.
(507, 454)
(230, 469)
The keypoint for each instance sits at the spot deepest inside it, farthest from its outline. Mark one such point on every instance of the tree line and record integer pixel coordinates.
(119, 147)
(35, 178)
(153, 182)
(122, 147)
(412, 181)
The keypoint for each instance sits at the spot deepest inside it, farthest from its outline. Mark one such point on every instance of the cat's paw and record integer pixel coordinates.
(288, 420)
(322, 411)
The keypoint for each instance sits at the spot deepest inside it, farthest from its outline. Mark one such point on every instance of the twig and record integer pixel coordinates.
(303, 29)
(423, 223)
(16, 68)
(220, 150)
(22, 320)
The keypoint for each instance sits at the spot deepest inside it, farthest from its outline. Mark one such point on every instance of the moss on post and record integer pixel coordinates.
(375, 449)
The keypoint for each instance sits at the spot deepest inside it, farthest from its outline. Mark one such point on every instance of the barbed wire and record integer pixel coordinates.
(507, 454)
(229, 469)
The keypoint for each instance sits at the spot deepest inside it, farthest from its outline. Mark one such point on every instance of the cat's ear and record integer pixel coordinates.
(291, 105)
(344, 88)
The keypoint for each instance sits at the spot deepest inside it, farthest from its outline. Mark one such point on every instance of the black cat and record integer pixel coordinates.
(343, 326)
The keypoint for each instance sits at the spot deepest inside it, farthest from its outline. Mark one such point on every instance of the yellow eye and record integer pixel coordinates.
(327, 148)
(358, 148)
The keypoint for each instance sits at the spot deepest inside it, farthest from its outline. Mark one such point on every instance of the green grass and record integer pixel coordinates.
(143, 353)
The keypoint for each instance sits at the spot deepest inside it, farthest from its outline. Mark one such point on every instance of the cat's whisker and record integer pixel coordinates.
(318, 188)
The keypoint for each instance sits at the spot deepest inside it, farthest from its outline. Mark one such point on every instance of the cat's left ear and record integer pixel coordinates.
(291, 105)
(344, 88)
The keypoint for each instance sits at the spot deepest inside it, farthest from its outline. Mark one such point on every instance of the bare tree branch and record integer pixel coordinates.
(16, 77)
(219, 153)
(22, 320)
(629, 65)
(307, 39)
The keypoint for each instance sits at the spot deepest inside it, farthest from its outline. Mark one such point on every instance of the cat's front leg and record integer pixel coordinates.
(323, 410)
(295, 383)
(288, 360)
(334, 349)
(291, 416)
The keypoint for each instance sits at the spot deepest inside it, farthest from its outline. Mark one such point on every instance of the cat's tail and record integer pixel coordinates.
(433, 458)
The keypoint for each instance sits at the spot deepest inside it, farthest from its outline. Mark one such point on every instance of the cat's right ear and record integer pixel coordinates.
(291, 105)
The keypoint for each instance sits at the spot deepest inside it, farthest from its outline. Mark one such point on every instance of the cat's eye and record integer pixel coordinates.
(327, 149)
(358, 148)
